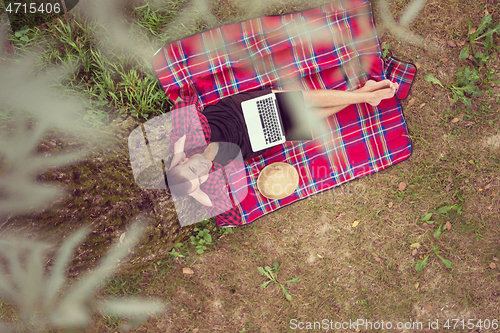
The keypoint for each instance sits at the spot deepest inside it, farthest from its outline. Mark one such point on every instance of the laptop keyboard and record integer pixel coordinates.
(269, 120)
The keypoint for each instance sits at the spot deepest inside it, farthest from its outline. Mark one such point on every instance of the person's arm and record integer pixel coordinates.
(179, 153)
(179, 145)
(201, 197)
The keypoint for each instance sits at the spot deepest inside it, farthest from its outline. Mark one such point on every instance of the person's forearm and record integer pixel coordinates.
(179, 145)
(202, 197)
(334, 98)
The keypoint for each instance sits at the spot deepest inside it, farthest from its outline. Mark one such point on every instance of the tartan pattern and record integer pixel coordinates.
(402, 73)
(185, 119)
(188, 120)
(329, 47)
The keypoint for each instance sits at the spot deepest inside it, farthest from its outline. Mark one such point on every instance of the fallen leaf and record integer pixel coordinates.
(422, 105)
(389, 204)
(493, 193)
(428, 307)
(493, 265)
(487, 187)
(444, 60)
(421, 256)
(448, 225)
(415, 245)
(355, 224)
(455, 120)
(451, 43)
(411, 102)
(417, 64)
(450, 179)
(414, 252)
(472, 30)
(495, 258)
(475, 259)
(416, 285)
(402, 186)
(461, 43)
(480, 190)
(195, 330)
(187, 270)
(377, 259)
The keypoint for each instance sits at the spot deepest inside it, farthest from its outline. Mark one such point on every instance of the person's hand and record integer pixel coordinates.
(177, 158)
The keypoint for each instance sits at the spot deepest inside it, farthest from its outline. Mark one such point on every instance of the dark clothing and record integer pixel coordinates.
(227, 124)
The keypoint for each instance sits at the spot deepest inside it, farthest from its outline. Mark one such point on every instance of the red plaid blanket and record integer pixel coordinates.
(329, 47)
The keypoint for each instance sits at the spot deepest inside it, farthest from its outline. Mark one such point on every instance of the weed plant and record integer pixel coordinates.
(469, 80)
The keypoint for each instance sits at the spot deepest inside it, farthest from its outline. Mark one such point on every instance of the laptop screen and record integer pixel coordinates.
(294, 115)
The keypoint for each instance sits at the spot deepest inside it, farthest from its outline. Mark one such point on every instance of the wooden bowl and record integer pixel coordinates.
(278, 180)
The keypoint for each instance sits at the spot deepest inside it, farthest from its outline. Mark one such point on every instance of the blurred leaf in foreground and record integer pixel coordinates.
(45, 302)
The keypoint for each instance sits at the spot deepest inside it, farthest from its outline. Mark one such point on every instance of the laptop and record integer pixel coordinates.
(275, 118)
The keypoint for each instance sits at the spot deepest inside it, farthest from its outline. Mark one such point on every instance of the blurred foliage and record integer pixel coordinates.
(45, 302)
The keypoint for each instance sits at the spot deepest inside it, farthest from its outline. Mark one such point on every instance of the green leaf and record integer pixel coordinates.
(276, 266)
(262, 286)
(488, 42)
(464, 54)
(208, 238)
(263, 272)
(477, 93)
(25, 38)
(385, 50)
(426, 217)
(446, 262)
(287, 295)
(421, 264)
(432, 79)
(200, 251)
(295, 279)
(437, 233)
(486, 21)
(466, 101)
(444, 209)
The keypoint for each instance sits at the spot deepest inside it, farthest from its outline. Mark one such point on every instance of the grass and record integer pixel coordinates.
(366, 271)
